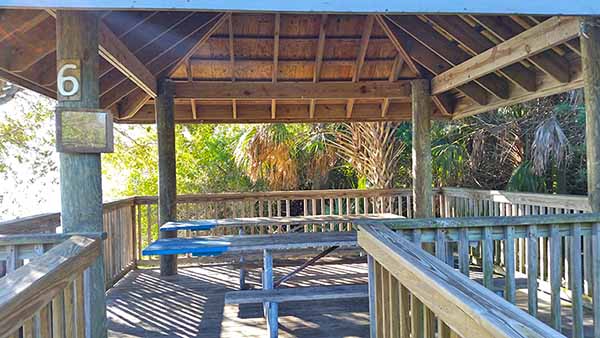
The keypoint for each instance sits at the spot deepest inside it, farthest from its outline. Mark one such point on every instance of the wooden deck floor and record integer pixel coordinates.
(191, 305)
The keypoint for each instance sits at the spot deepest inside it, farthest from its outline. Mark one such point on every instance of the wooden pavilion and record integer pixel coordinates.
(311, 61)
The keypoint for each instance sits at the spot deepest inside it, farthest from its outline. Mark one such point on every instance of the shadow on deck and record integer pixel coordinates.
(191, 305)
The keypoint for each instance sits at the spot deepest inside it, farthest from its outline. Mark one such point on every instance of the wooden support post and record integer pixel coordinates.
(80, 174)
(421, 148)
(167, 188)
(590, 54)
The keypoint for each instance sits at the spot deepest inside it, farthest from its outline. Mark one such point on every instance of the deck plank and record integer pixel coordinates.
(192, 305)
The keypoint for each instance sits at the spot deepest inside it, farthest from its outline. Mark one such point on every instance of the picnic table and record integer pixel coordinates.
(267, 243)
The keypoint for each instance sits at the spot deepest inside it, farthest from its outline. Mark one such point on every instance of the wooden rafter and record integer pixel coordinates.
(14, 22)
(291, 90)
(503, 28)
(400, 48)
(474, 42)
(231, 49)
(22, 48)
(170, 58)
(117, 54)
(447, 50)
(544, 36)
(360, 59)
(394, 73)
(318, 60)
(277, 27)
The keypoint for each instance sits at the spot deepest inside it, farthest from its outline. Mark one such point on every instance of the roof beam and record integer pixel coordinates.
(504, 28)
(546, 35)
(117, 54)
(447, 50)
(360, 59)
(473, 41)
(291, 90)
(435, 65)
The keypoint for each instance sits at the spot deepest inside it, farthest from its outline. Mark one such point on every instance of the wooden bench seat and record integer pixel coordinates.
(297, 294)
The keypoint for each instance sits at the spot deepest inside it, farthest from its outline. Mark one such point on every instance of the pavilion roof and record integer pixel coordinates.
(295, 67)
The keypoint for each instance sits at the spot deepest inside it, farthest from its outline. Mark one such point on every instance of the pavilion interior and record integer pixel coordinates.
(241, 51)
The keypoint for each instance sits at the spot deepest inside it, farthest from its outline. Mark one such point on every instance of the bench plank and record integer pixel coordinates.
(297, 294)
(208, 224)
(216, 245)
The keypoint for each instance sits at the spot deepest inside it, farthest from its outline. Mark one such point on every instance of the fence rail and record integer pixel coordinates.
(413, 294)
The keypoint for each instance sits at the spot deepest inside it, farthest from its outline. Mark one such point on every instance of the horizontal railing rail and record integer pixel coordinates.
(558, 254)
(45, 223)
(413, 294)
(47, 296)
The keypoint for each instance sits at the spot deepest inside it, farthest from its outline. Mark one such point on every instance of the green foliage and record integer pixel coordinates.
(524, 179)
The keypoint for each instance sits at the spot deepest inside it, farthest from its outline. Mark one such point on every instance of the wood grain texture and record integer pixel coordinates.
(167, 175)
(421, 149)
(280, 295)
(466, 307)
(31, 287)
(546, 35)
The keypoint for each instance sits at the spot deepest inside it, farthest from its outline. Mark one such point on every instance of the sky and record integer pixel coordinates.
(25, 191)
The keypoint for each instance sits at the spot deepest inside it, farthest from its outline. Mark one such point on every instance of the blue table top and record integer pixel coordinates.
(189, 225)
(202, 246)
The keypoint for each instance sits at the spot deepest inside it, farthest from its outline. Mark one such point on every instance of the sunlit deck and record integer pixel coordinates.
(191, 305)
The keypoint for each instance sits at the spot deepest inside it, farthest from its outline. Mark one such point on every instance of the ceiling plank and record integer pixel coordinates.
(360, 59)
(503, 28)
(231, 49)
(476, 43)
(23, 48)
(116, 53)
(448, 50)
(292, 90)
(549, 33)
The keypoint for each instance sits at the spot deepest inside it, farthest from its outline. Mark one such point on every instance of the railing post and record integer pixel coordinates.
(80, 173)
(590, 53)
(167, 189)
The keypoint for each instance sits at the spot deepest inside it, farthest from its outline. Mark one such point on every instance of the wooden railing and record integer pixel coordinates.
(461, 202)
(45, 223)
(47, 296)
(558, 254)
(413, 294)
(120, 246)
(276, 203)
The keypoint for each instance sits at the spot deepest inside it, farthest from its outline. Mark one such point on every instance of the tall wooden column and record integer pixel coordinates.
(167, 187)
(590, 58)
(80, 174)
(421, 148)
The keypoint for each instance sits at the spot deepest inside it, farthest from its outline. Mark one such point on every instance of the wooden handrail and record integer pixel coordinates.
(500, 196)
(476, 222)
(31, 224)
(464, 306)
(28, 289)
(297, 194)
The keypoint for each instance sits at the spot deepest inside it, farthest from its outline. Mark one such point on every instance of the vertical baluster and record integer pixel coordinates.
(409, 207)
(596, 277)
(404, 320)
(463, 251)
(69, 301)
(58, 321)
(488, 257)
(379, 300)
(385, 301)
(394, 307)
(373, 314)
(43, 325)
(509, 261)
(28, 328)
(576, 281)
(532, 269)
(555, 276)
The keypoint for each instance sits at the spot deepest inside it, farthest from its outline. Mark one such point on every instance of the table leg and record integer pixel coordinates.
(242, 267)
(270, 309)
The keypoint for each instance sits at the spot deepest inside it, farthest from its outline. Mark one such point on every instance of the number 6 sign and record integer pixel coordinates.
(68, 80)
